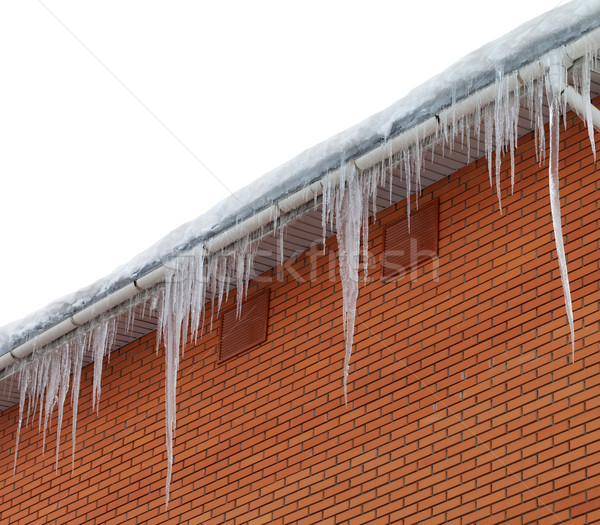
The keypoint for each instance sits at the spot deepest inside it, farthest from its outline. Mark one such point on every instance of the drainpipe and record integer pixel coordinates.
(577, 102)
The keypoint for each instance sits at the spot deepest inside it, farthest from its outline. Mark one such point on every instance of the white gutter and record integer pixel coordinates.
(468, 105)
(462, 108)
(425, 129)
(156, 276)
(87, 314)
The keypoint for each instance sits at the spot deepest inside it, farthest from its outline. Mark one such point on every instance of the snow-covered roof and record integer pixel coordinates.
(474, 72)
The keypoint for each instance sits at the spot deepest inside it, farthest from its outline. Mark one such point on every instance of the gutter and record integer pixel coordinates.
(308, 183)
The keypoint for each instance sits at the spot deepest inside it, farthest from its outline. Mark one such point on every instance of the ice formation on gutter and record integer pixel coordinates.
(190, 280)
(200, 275)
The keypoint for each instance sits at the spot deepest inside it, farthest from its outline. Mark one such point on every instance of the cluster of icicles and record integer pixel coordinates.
(199, 276)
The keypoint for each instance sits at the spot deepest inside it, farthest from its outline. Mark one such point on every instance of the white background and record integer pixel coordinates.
(111, 112)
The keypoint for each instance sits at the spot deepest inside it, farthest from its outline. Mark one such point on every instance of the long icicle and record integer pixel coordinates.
(77, 360)
(554, 81)
(24, 382)
(348, 223)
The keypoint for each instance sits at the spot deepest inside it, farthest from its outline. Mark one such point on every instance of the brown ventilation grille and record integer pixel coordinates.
(239, 335)
(403, 249)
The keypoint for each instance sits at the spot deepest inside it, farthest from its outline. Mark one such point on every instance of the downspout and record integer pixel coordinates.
(576, 101)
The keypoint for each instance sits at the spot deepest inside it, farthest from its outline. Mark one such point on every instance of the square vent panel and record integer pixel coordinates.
(247, 331)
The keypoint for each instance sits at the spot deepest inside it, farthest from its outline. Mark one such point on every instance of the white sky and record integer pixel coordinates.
(106, 107)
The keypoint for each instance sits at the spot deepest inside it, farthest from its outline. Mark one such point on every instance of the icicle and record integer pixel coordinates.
(170, 321)
(275, 213)
(374, 178)
(325, 207)
(461, 130)
(582, 80)
(39, 370)
(30, 386)
(188, 281)
(221, 281)
(418, 156)
(468, 137)
(52, 389)
(530, 89)
(77, 361)
(184, 299)
(211, 284)
(453, 109)
(407, 171)
(43, 380)
(364, 216)
(367, 191)
(24, 382)
(240, 271)
(64, 362)
(390, 168)
(539, 122)
(348, 223)
(586, 88)
(554, 83)
(281, 249)
(130, 320)
(443, 127)
(500, 110)
(488, 125)
(99, 337)
(478, 123)
(250, 255)
(154, 303)
(513, 127)
(110, 337)
(198, 298)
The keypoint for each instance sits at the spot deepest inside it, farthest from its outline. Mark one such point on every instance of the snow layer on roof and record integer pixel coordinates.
(475, 71)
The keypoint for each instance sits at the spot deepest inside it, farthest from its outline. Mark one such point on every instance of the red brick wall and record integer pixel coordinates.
(463, 403)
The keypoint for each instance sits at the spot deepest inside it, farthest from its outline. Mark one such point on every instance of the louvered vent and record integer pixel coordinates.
(403, 249)
(247, 331)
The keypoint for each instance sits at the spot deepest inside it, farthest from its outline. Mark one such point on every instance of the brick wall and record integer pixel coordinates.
(463, 407)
